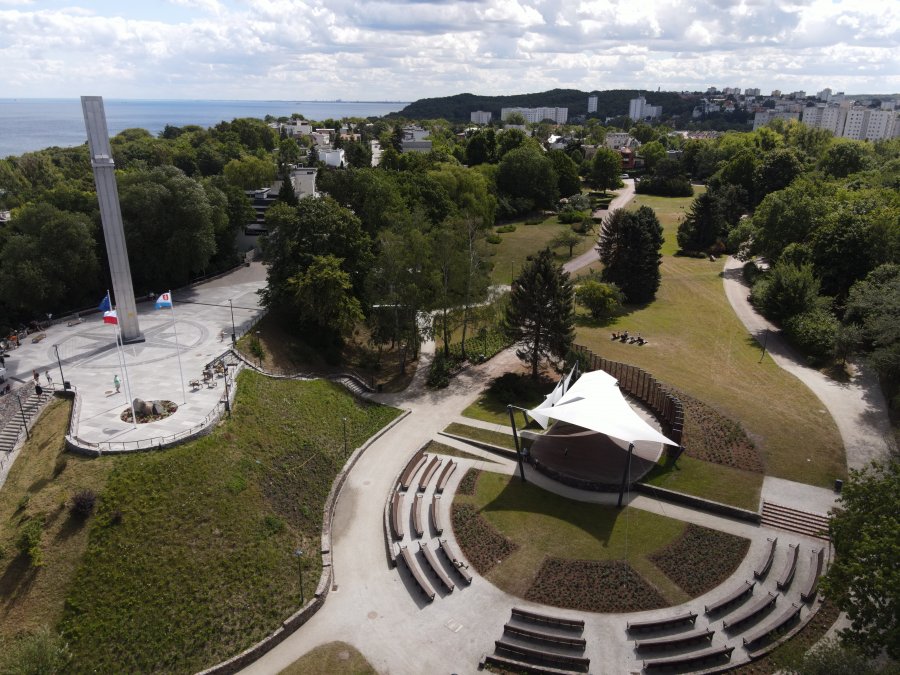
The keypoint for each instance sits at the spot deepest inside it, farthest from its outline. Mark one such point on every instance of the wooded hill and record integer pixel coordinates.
(609, 103)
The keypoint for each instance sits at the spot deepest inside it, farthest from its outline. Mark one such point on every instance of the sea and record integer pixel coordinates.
(29, 124)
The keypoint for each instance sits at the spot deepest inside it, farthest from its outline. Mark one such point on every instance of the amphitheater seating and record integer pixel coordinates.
(690, 659)
(546, 639)
(762, 569)
(436, 514)
(738, 594)
(518, 652)
(413, 568)
(417, 515)
(751, 611)
(770, 629)
(412, 467)
(429, 472)
(397, 514)
(575, 625)
(660, 624)
(445, 475)
(678, 640)
(811, 583)
(436, 566)
(455, 560)
(790, 566)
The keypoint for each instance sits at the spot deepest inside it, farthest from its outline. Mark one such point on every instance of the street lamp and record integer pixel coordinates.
(62, 377)
(344, 419)
(299, 554)
(233, 332)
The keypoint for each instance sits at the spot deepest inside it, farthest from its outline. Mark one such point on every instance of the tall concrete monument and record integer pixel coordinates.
(111, 216)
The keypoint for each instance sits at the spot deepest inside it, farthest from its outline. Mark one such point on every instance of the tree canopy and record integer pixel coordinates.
(629, 247)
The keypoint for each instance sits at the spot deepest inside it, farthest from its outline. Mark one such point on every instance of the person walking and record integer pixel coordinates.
(35, 375)
(49, 379)
(116, 383)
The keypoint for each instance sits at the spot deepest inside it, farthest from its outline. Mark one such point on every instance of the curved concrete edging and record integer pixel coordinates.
(306, 612)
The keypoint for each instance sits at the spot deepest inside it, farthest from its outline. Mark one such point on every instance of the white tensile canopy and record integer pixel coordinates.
(595, 402)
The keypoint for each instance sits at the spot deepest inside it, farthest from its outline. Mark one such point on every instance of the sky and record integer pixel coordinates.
(395, 50)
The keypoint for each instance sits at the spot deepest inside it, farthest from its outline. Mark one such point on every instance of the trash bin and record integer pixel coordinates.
(67, 385)
(838, 485)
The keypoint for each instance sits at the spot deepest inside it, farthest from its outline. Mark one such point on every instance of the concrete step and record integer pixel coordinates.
(795, 520)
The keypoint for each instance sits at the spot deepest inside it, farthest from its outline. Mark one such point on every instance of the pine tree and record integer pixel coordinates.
(629, 247)
(540, 316)
(702, 225)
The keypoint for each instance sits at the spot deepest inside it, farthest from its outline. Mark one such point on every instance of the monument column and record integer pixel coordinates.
(111, 216)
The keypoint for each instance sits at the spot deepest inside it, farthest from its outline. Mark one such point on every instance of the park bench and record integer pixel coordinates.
(417, 515)
(455, 560)
(790, 566)
(436, 514)
(733, 597)
(578, 664)
(811, 583)
(412, 467)
(690, 659)
(576, 625)
(679, 640)
(660, 624)
(37, 338)
(397, 514)
(772, 628)
(445, 476)
(436, 566)
(762, 569)
(74, 322)
(413, 568)
(546, 639)
(750, 612)
(194, 384)
(429, 472)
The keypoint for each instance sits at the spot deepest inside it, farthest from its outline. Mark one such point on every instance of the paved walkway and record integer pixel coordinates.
(858, 407)
(619, 201)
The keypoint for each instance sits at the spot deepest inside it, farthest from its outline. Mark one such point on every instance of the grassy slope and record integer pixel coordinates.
(201, 564)
(698, 345)
(544, 524)
(712, 481)
(334, 657)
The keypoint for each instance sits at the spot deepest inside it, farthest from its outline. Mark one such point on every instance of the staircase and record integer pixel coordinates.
(353, 383)
(794, 520)
(12, 430)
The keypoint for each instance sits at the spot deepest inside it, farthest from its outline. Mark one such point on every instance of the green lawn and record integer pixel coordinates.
(544, 524)
(188, 558)
(483, 435)
(334, 657)
(711, 481)
(524, 392)
(698, 345)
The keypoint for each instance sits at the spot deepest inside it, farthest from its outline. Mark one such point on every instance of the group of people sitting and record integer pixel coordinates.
(629, 339)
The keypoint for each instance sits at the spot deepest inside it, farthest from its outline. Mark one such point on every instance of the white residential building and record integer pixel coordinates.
(638, 109)
(332, 157)
(856, 122)
(824, 95)
(297, 128)
(481, 117)
(536, 115)
(761, 119)
(375, 147)
(616, 140)
(592, 104)
(751, 91)
(413, 133)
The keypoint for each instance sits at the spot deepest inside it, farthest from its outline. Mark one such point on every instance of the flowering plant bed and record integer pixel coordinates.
(710, 436)
(467, 484)
(593, 586)
(483, 545)
(701, 558)
(168, 406)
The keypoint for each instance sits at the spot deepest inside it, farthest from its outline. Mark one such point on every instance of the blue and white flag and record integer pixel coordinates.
(105, 306)
(165, 300)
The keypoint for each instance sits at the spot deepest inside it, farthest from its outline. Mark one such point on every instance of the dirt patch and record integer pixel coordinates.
(701, 558)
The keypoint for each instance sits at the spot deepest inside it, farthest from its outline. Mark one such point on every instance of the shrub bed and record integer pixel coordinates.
(701, 558)
(483, 346)
(479, 541)
(593, 586)
(467, 484)
(710, 436)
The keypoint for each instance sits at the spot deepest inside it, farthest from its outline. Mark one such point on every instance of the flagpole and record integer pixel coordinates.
(177, 349)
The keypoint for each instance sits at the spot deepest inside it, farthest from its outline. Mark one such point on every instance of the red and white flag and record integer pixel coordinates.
(110, 317)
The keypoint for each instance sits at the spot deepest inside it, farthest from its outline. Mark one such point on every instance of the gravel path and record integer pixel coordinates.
(619, 201)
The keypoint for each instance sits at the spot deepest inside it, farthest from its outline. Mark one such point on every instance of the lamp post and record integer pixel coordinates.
(233, 332)
(344, 419)
(299, 554)
(62, 377)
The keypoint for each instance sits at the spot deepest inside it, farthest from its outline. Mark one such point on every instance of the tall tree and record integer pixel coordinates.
(541, 314)
(569, 181)
(527, 175)
(702, 225)
(606, 167)
(323, 297)
(629, 247)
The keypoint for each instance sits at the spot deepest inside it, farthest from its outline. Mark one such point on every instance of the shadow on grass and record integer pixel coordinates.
(17, 579)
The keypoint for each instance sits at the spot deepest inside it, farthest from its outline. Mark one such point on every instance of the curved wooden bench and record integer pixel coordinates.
(774, 626)
(816, 560)
(429, 472)
(690, 659)
(417, 515)
(436, 514)
(678, 640)
(413, 568)
(445, 475)
(412, 467)
(751, 611)
(790, 566)
(737, 594)
(576, 625)
(762, 569)
(660, 624)
(578, 664)
(397, 514)
(455, 560)
(436, 566)
(559, 641)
